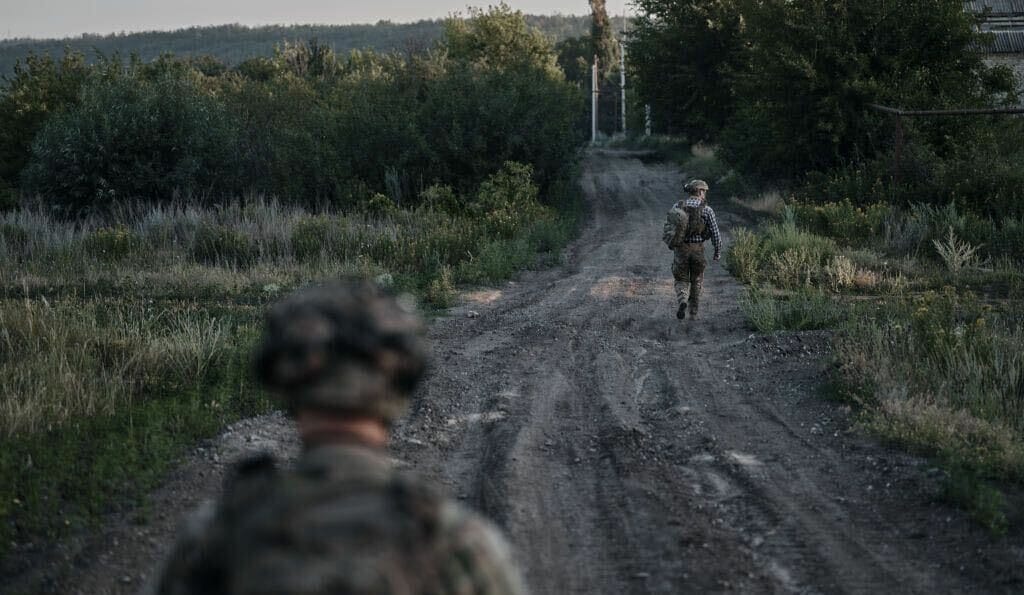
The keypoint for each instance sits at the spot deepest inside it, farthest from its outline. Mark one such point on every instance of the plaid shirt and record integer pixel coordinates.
(711, 232)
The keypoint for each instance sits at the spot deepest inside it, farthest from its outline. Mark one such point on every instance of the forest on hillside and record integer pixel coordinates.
(232, 44)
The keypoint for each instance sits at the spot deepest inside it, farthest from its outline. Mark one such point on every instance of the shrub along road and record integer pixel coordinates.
(627, 452)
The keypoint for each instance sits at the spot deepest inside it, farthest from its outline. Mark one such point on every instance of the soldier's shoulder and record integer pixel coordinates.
(479, 552)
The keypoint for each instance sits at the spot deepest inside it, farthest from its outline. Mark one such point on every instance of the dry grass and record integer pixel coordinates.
(770, 203)
(64, 360)
(841, 273)
(703, 151)
(96, 313)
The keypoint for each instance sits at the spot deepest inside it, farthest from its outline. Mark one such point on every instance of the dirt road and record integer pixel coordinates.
(627, 452)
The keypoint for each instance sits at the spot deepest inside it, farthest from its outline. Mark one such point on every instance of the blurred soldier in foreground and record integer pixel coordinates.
(691, 222)
(344, 358)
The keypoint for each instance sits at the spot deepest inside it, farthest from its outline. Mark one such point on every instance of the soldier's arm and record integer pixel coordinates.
(479, 560)
(716, 235)
(195, 563)
(668, 232)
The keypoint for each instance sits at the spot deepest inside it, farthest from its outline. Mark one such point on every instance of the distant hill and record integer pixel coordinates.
(235, 43)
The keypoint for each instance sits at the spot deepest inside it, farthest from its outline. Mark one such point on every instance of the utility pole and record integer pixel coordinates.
(593, 101)
(622, 78)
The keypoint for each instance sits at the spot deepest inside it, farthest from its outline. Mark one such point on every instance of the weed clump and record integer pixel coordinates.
(219, 244)
(805, 310)
(318, 235)
(111, 244)
(440, 292)
(744, 255)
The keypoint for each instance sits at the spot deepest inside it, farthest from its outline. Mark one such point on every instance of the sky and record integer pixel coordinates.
(71, 18)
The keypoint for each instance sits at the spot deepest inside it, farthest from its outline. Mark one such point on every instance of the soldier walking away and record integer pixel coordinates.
(691, 222)
(344, 358)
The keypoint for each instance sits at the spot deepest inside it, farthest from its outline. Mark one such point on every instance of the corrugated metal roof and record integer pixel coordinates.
(999, 7)
(1007, 42)
(1005, 23)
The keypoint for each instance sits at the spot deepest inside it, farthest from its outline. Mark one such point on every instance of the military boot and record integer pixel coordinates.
(681, 311)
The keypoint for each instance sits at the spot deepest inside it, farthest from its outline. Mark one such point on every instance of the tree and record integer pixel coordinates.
(39, 88)
(574, 56)
(502, 98)
(816, 64)
(602, 36)
(499, 40)
(684, 55)
(129, 138)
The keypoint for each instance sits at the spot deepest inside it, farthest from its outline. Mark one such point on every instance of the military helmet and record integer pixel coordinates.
(345, 346)
(693, 186)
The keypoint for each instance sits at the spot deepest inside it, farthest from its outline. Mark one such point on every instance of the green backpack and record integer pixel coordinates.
(683, 222)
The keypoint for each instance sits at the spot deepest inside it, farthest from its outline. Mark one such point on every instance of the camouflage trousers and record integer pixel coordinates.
(688, 270)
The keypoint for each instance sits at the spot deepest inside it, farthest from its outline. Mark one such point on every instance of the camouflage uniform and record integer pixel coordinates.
(688, 266)
(343, 519)
(689, 262)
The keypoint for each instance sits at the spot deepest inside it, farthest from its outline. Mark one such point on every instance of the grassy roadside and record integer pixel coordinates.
(929, 343)
(125, 340)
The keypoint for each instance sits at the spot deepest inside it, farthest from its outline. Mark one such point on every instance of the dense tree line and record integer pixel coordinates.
(785, 88)
(307, 124)
(232, 44)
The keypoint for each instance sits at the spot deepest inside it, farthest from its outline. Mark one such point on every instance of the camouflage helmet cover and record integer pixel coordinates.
(342, 346)
(693, 186)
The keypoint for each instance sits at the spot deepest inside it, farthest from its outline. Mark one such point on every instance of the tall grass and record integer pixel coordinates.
(950, 348)
(66, 360)
(125, 339)
(803, 310)
(943, 374)
(99, 397)
(261, 243)
(932, 349)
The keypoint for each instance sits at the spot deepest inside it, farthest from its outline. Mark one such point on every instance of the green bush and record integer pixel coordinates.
(379, 205)
(306, 126)
(733, 185)
(111, 243)
(843, 221)
(744, 256)
(440, 291)
(218, 244)
(319, 234)
(942, 373)
(812, 67)
(508, 199)
(39, 87)
(133, 139)
(442, 198)
(779, 238)
(807, 309)
(919, 227)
